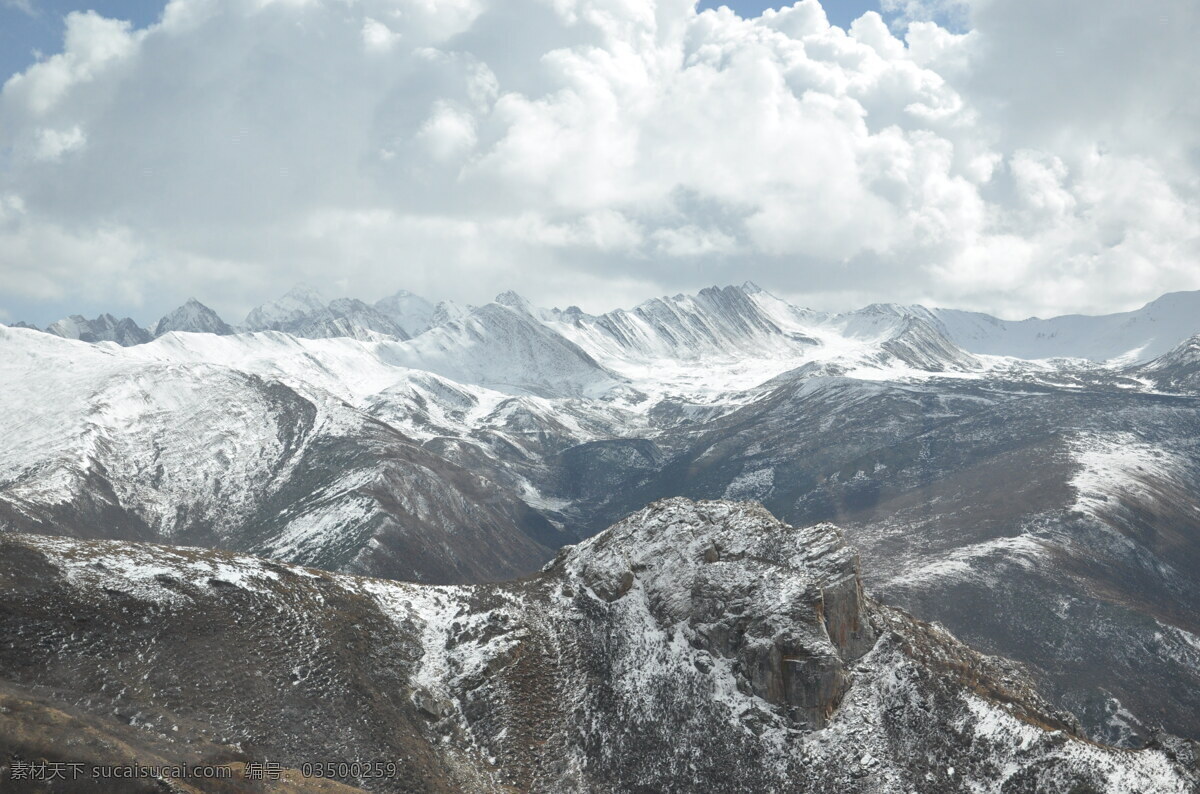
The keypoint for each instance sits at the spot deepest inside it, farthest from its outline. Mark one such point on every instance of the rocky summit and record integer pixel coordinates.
(693, 646)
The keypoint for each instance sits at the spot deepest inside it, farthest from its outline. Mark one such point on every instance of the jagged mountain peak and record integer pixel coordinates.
(192, 317)
(886, 309)
(297, 302)
(303, 312)
(718, 320)
(105, 328)
(513, 300)
(448, 312)
(919, 343)
(306, 293)
(715, 322)
(572, 313)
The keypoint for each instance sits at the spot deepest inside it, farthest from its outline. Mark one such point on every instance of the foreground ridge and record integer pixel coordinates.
(692, 646)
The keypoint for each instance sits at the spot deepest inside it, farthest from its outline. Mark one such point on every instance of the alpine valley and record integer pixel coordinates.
(716, 542)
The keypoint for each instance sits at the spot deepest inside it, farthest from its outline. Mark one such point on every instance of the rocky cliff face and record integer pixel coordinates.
(692, 647)
(783, 607)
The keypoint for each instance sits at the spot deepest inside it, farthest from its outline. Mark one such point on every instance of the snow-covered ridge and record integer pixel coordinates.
(718, 322)
(1124, 337)
(1177, 369)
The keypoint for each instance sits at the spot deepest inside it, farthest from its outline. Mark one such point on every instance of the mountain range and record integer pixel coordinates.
(714, 321)
(1029, 489)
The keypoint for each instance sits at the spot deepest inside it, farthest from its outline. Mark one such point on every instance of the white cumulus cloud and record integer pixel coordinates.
(1018, 156)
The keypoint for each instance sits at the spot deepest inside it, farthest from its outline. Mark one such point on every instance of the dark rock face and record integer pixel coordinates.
(693, 647)
(594, 469)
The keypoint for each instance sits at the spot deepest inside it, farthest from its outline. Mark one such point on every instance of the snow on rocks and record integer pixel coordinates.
(693, 646)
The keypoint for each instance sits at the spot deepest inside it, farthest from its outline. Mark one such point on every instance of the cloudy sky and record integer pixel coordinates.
(1014, 156)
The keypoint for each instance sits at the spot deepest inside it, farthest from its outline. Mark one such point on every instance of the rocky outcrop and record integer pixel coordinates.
(784, 606)
(692, 647)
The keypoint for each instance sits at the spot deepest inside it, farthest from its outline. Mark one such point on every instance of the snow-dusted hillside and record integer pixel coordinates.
(692, 647)
(1177, 370)
(151, 443)
(1138, 335)
(495, 345)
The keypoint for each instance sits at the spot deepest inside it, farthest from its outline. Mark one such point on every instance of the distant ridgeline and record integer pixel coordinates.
(1134, 336)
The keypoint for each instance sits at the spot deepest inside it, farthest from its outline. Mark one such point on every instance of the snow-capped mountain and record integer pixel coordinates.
(303, 312)
(692, 647)
(141, 444)
(495, 345)
(411, 313)
(715, 322)
(472, 450)
(193, 317)
(1138, 335)
(105, 328)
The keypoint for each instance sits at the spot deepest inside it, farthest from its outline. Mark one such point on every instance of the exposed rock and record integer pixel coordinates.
(784, 606)
(762, 669)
